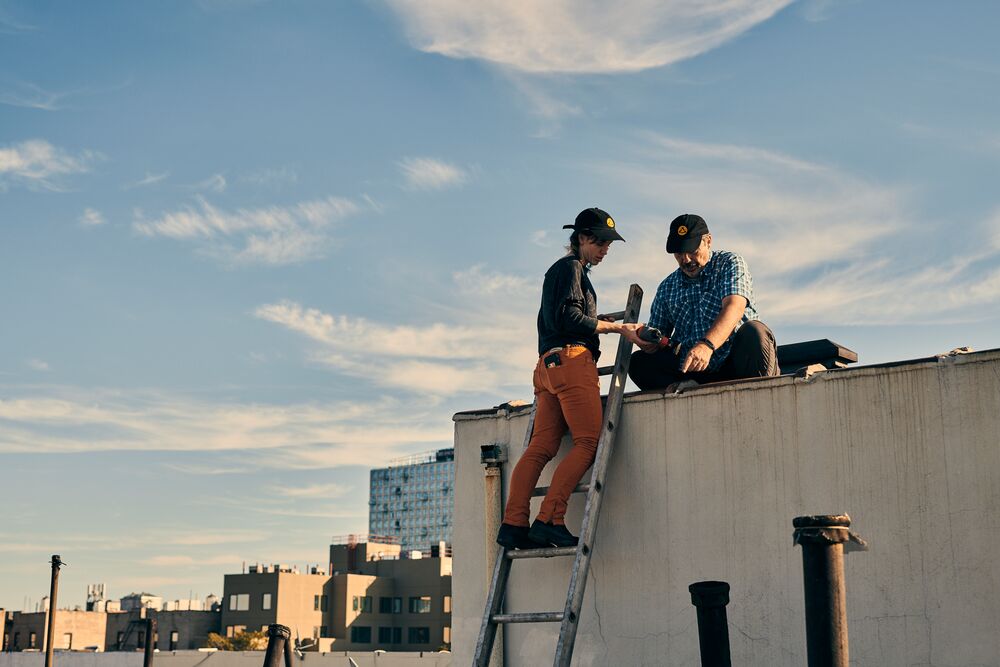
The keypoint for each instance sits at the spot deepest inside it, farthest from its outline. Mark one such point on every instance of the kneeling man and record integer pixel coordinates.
(706, 308)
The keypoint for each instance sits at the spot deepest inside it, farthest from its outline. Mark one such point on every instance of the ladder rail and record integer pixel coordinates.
(581, 565)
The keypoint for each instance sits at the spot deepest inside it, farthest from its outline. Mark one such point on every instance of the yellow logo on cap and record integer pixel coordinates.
(682, 231)
(611, 223)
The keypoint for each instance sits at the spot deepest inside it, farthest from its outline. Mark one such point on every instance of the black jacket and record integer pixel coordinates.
(568, 315)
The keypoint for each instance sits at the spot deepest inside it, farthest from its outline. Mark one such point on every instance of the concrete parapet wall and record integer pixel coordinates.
(705, 485)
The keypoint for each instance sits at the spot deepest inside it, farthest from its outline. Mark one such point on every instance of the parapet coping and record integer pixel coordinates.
(752, 384)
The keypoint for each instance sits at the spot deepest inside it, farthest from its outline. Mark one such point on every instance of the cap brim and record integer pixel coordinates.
(686, 244)
(604, 233)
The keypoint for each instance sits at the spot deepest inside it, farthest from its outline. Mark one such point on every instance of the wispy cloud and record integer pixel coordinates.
(424, 173)
(192, 561)
(478, 280)
(824, 246)
(267, 436)
(91, 218)
(10, 24)
(438, 358)
(30, 96)
(38, 365)
(214, 183)
(275, 235)
(38, 164)
(328, 491)
(147, 180)
(588, 36)
(275, 177)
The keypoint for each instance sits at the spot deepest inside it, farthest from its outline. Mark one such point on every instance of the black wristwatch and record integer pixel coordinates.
(709, 343)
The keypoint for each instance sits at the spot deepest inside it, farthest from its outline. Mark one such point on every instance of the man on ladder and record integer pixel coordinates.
(566, 385)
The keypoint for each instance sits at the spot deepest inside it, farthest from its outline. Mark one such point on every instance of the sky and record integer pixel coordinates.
(251, 249)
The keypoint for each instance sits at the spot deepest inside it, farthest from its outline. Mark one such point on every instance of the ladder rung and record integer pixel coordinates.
(605, 370)
(542, 490)
(548, 552)
(529, 617)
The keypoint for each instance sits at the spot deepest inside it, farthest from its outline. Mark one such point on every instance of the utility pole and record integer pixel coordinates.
(53, 592)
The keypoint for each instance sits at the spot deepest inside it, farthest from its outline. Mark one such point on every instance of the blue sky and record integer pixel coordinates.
(250, 249)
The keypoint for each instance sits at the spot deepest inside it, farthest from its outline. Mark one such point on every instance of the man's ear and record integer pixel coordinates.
(708, 240)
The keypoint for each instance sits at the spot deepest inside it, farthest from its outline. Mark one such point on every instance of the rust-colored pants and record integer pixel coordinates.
(567, 396)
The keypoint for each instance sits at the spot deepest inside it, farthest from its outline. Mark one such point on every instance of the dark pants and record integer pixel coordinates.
(753, 354)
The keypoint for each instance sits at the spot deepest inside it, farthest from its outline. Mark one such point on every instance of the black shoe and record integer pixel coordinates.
(550, 535)
(514, 537)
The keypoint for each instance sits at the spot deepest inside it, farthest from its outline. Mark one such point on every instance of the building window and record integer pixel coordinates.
(362, 603)
(420, 635)
(322, 631)
(385, 635)
(446, 635)
(229, 631)
(421, 605)
(120, 640)
(141, 640)
(316, 602)
(361, 634)
(265, 601)
(67, 640)
(447, 604)
(239, 602)
(175, 639)
(32, 640)
(390, 605)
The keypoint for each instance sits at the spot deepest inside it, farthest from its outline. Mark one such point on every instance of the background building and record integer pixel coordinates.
(381, 599)
(175, 630)
(412, 500)
(375, 598)
(74, 629)
(269, 594)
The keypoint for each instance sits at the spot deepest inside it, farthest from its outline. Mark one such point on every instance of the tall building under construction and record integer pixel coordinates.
(412, 500)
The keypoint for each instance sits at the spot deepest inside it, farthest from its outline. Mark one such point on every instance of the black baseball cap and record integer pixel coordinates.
(597, 223)
(685, 233)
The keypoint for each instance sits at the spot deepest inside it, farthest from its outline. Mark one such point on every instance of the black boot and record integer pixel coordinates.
(514, 537)
(550, 535)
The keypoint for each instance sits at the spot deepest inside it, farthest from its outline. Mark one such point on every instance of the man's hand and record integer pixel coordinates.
(697, 359)
(631, 333)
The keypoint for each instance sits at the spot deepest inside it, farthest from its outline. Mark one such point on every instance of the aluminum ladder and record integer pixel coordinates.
(569, 617)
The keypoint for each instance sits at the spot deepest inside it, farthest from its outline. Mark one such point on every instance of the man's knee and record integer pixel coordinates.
(755, 350)
(641, 369)
(755, 334)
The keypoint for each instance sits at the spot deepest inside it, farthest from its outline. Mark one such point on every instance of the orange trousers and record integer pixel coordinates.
(567, 396)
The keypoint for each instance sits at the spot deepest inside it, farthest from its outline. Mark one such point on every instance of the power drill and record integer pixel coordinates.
(653, 335)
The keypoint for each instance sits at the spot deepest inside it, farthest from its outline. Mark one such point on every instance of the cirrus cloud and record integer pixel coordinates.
(273, 235)
(424, 173)
(574, 36)
(37, 164)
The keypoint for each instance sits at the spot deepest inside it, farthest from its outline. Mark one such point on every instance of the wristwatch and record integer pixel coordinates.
(708, 343)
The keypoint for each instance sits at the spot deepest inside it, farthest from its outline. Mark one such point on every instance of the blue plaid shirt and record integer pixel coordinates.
(686, 308)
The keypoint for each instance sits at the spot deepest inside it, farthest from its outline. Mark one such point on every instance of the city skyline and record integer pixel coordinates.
(251, 250)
